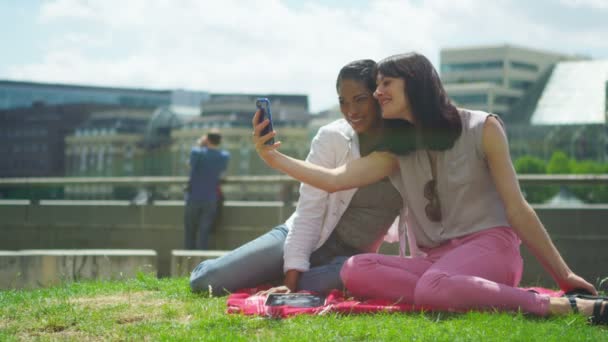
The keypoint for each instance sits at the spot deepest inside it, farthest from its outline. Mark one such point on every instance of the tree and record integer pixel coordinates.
(559, 164)
(534, 193)
(593, 193)
(530, 165)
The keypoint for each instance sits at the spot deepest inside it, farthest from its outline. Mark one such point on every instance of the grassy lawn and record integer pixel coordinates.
(147, 308)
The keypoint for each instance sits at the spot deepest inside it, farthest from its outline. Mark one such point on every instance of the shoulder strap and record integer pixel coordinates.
(433, 166)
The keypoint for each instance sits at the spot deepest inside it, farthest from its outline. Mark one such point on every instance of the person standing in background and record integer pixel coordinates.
(207, 164)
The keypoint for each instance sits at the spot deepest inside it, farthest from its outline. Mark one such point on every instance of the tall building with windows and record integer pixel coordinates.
(495, 78)
(15, 94)
(109, 143)
(36, 117)
(287, 109)
(20, 94)
(32, 139)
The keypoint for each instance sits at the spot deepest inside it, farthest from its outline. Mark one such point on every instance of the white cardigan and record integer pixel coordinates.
(318, 212)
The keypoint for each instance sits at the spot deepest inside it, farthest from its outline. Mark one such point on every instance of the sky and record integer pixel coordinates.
(269, 46)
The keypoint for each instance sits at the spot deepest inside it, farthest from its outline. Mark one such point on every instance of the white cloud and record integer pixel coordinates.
(67, 9)
(596, 4)
(249, 46)
(259, 45)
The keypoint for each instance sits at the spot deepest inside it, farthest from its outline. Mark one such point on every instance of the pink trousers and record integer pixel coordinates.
(478, 271)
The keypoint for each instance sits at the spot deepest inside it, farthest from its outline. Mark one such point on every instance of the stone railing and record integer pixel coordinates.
(579, 232)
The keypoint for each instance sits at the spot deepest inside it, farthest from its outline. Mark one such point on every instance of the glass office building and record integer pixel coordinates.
(569, 114)
(494, 78)
(14, 94)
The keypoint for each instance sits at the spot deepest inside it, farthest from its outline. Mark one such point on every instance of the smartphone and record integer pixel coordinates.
(299, 300)
(263, 104)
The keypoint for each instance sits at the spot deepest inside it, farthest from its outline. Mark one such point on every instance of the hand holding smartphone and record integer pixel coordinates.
(263, 104)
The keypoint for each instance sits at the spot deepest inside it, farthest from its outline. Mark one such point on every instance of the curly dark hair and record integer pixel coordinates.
(438, 122)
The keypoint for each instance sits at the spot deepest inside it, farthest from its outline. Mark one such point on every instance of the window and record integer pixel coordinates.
(497, 81)
(129, 152)
(83, 159)
(471, 66)
(524, 66)
(522, 85)
(470, 99)
(469, 78)
(100, 158)
(505, 100)
(606, 102)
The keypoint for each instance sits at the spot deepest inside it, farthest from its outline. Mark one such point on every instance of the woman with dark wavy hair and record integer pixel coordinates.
(466, 215)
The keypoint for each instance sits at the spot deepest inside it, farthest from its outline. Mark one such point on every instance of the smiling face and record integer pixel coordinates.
(358, 106)
(390, 93)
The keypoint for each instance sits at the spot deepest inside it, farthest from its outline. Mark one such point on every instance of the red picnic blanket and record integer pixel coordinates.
(252, 302)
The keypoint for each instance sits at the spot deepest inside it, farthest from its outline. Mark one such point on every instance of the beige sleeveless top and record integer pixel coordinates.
(468, 196)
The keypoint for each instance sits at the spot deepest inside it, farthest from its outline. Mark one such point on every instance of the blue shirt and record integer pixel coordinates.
(206, 168)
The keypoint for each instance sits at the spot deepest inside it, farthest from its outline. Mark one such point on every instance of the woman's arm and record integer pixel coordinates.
(357, 173)
(520, 214)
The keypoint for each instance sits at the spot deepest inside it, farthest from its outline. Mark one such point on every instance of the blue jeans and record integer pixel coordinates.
(261, 262)
(198, 217)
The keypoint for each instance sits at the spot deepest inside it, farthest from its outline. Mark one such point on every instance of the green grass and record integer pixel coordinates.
(153, 309)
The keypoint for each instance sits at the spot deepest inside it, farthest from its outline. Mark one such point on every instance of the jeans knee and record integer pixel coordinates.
(203, 276)
(432, 289)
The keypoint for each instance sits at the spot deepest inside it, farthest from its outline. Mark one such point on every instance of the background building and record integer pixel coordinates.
(35, 118)
(32, 139)
(568, 113)
(232, 114)
(287, 109)
(549, 101)
(18, 94)
(108, 144)
(25, 94)
(494, 78)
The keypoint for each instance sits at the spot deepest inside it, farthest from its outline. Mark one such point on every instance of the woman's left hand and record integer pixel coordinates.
(573, 282)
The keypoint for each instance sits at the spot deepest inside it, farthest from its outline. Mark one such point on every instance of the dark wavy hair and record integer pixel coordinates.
(361, 70)
(438, 122)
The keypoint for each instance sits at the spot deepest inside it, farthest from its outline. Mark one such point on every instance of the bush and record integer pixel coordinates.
(561, 164)
(534, 193)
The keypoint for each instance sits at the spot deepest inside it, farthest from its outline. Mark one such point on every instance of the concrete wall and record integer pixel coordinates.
(579, 233)
(157, 227)
(40, 268)
(184, 261)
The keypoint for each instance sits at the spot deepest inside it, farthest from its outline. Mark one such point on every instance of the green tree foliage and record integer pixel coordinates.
(561, 164)
(534, 193)
(594, 193)
(530, 165)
